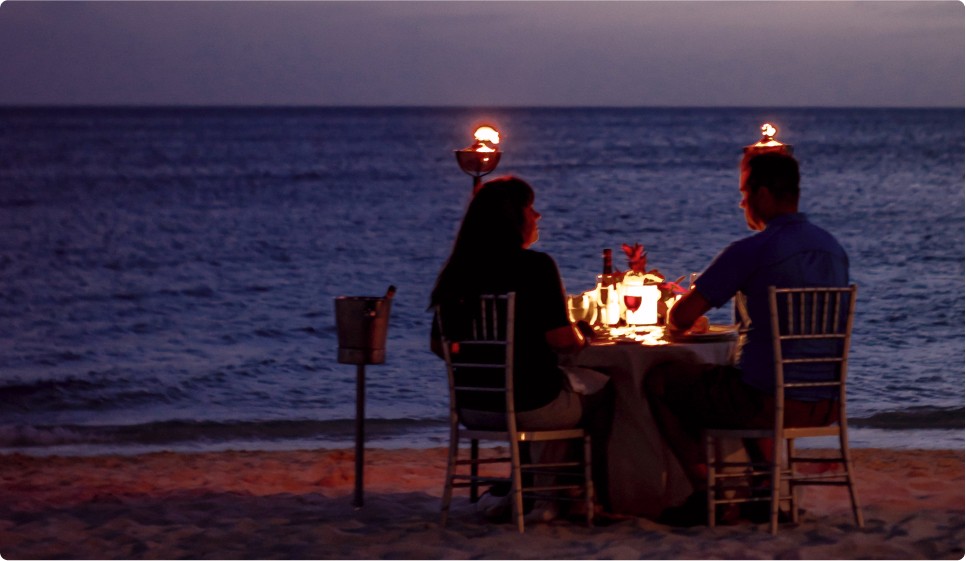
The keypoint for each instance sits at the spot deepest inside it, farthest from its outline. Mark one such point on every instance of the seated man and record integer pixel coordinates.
(787, 251)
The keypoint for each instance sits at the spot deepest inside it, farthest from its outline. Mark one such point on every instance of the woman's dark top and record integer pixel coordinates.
(540, 307)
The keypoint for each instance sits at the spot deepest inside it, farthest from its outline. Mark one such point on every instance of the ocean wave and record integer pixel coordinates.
(923, 417)
(179, 432)
(203, 433)
(96, 392)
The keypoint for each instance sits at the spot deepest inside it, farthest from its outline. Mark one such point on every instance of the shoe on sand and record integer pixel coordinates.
(543, 511)
(494, 508)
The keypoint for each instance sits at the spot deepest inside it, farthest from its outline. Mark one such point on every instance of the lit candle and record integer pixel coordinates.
(640, 301)
(652, 295)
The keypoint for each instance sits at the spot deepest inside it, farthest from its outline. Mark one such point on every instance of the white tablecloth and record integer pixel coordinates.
(643, 475)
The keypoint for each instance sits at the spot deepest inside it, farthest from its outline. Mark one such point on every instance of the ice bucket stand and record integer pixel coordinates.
(362, 323)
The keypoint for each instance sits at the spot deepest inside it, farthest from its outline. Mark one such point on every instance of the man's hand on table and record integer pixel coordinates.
(700, 325)
(687, 315)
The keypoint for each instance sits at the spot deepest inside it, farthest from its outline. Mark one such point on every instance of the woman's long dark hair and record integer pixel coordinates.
(491, 232)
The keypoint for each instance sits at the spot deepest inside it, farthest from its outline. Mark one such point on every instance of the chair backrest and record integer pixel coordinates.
(811, 335)
(477, 340)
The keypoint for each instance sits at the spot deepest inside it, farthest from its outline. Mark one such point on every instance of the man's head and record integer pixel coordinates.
(769, 187)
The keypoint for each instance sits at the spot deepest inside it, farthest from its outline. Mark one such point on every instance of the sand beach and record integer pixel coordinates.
(297, 505)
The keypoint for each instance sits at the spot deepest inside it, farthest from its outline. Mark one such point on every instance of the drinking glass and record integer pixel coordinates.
(632, 295)
(603, 290)
(608, 300)
(582, 307)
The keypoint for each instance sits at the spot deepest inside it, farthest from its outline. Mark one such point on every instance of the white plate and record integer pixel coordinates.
(714, 333)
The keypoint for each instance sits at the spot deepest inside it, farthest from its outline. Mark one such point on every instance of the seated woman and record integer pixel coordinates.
(491, 255)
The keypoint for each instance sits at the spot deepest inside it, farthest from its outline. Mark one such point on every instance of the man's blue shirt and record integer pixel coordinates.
(790, 252)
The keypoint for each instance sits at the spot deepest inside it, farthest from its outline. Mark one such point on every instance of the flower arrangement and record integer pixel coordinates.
(637, 261)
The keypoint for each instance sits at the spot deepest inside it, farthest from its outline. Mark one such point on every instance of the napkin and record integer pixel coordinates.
(584, 380)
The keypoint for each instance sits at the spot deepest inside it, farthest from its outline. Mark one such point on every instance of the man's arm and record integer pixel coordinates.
(687, 310)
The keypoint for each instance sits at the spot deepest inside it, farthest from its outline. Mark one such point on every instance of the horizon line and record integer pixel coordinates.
(447, 106)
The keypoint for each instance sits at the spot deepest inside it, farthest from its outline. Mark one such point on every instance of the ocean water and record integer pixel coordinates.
(167, 275)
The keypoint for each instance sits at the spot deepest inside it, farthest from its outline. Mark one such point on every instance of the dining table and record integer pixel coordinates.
(644, 477)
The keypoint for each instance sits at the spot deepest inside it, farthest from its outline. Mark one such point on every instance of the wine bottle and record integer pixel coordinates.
(609, 312)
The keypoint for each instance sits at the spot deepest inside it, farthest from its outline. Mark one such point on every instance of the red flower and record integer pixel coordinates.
(636, 257)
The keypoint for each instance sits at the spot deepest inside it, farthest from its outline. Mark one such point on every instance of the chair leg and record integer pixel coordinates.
(792, 488)
(776, 482)
(711, 460)
(517, 485)
(474, 470)
(450, 473)
(850, 478)
(588, 481)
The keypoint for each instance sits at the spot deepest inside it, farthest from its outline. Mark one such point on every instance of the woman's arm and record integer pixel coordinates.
(566, 339)
(546, 297)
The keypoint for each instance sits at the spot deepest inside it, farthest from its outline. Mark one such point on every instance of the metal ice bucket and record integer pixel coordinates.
(362, 323)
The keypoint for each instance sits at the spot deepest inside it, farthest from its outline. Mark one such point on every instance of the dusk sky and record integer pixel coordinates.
(893, 54)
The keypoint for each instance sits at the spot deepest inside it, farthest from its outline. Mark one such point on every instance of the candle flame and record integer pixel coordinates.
(768, 131)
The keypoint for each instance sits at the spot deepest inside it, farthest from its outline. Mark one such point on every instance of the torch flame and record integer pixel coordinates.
(768, 142)
(768, 132)
(481, 157)
(487, 134)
